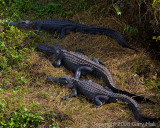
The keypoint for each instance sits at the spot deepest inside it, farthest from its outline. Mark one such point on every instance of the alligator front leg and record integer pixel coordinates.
(84, 70)
(57, 64)
(99, 99)
(36, 32)
(73, 94)
(93, 59)
(108, 89)
(65, 30)
(39, 28)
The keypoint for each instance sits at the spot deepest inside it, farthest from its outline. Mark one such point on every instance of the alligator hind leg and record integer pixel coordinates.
(97, 61)
(57, 64)
(73, 94)
(108, 89)
(80, 52)
(99, 99)
(65, 30)
(83, 70)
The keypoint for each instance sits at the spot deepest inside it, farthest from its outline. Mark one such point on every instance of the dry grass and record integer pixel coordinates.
(77, 110)
(122, 64)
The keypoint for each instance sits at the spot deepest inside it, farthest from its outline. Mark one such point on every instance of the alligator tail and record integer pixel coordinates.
(106, 31)
(137, 98)
(133, 105)
(112, 85)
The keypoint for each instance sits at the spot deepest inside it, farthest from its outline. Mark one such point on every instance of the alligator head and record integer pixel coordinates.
(25, 23)
(66, 81)
(54, 49)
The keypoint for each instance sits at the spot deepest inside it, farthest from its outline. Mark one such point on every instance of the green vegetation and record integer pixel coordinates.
(130, 29)
(17, 8)
(13, 53)
(21, 118)
(27, 100)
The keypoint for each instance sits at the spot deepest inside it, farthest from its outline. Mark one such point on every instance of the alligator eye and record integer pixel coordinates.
(63, 81)
(58, 51)
(23, 22)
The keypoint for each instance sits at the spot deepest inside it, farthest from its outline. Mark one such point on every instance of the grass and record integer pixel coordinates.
(26, 96)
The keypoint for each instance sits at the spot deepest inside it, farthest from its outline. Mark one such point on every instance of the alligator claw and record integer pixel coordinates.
(64, 98)
(30, 36)
(55, 36)
(59, 37)
(94, 106)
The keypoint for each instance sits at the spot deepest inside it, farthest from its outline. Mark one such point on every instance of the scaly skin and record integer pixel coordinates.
(65, 26)
(81, 64)
(99, 94)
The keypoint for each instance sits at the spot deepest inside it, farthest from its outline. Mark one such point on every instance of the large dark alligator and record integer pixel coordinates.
(99, 94)
(65, 26)
(81, 64)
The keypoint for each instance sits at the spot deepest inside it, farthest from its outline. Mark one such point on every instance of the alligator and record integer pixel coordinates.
(65, 26)
(99, 94)
(81, 64)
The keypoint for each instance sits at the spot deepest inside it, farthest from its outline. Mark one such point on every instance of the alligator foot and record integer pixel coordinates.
(94, 106)
(59, 37)
(56, 36)
(64, 98)
(73, 94)
(30, 36)
(80, 52)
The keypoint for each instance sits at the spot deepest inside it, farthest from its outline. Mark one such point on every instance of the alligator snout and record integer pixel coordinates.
(12, 23)
(42, 47)
(53, 79)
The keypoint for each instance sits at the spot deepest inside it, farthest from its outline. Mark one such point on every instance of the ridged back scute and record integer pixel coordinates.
(55, 21)
(83, 60)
